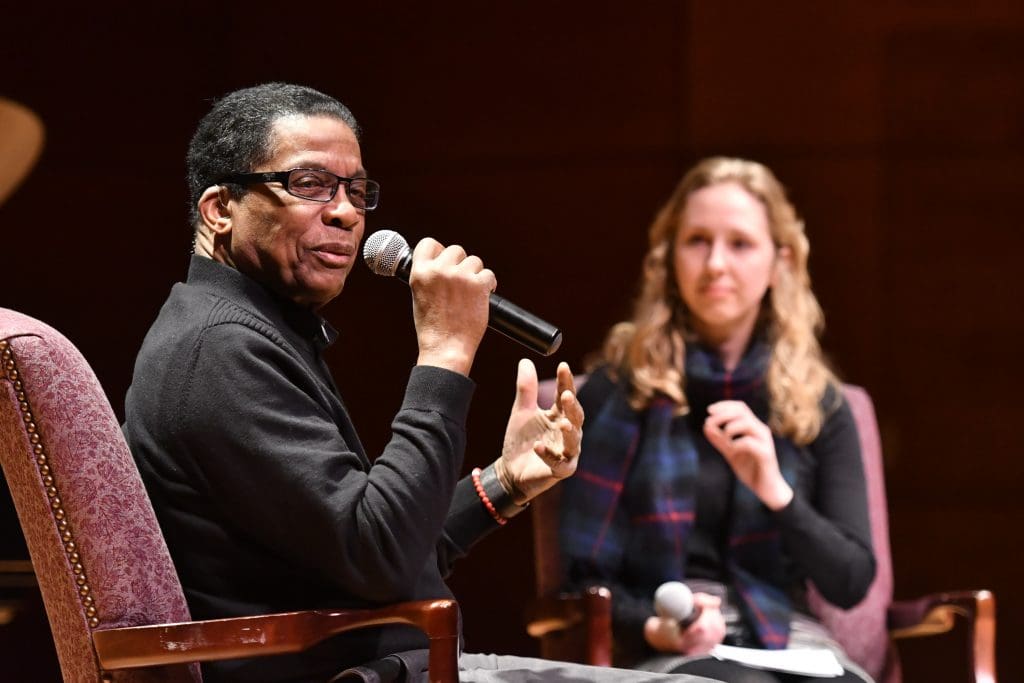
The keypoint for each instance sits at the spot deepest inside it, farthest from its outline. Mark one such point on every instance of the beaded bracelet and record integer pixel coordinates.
(501, 498)
(483, 497)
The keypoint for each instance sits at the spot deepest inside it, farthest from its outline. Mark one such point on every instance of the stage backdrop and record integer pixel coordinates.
(543, 137)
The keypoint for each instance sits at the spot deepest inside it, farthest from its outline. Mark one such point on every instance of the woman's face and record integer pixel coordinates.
(724, 260)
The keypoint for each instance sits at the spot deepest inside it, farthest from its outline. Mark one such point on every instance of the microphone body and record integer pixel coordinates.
(387, 253)
(674, 600)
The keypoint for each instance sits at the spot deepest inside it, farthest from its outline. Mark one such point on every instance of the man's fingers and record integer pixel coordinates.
(572, 437)
(565, 379)
(473, 264)
(526, 385)
(491, 280)
(566, 403)
(453, 254)
(427, 248)
(571, 408)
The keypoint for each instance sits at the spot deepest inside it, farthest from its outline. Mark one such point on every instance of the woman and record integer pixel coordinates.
(718, 448)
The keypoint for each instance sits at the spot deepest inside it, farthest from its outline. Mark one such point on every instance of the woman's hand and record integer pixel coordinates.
(664, 634)
(746, 444)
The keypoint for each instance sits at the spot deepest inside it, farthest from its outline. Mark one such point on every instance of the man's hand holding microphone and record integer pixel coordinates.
(453, 304)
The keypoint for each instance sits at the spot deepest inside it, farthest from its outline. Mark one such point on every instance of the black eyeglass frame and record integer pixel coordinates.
(372, 186)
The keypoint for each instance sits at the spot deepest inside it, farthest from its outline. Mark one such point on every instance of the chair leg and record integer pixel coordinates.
(444, 660)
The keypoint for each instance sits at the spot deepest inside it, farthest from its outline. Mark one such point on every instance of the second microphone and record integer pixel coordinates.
(387, 253)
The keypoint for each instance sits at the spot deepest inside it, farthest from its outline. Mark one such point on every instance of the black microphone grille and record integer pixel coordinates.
(383, 251)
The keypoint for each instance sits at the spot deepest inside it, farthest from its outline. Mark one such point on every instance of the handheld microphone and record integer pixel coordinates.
(674, 600)
(387, 253)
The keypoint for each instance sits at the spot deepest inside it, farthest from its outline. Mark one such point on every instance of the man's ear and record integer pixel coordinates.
(214, 211)
(783, 262)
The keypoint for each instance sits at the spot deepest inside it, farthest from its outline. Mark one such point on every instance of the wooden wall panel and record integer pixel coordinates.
(543, 137)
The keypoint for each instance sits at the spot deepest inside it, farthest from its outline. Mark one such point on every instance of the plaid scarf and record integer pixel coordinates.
(633, 494)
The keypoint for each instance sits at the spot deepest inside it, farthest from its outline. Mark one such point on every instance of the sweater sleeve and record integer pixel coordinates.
(468, 522)
(829, 537)
(274, 458)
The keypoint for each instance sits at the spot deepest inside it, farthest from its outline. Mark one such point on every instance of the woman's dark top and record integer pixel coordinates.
(825, 531)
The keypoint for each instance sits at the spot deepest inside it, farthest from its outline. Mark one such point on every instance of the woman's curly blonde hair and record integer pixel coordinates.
(650, 348)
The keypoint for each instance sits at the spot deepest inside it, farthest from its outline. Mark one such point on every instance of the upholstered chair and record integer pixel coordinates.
(113, 599)
(578, 627)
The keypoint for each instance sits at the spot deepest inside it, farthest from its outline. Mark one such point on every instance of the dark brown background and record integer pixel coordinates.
(543, 137)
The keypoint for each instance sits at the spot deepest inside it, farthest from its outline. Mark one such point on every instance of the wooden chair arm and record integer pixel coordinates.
(937, 612)
(591, 609)
(216, 639)
(17, 574)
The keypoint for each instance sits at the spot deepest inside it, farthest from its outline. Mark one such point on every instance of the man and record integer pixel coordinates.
(266, 498)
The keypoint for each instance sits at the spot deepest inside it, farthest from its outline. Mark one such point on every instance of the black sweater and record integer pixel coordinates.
(261, 486)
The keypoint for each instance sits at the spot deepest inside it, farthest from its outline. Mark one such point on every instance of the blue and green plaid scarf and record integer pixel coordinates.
(633, 494)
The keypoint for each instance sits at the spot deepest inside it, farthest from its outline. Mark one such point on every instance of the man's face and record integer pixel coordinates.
(300, 248)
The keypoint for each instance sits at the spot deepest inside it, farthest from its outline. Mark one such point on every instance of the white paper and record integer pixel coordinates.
(806, 661)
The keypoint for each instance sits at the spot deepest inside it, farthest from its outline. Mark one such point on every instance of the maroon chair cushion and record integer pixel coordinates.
(862, 630)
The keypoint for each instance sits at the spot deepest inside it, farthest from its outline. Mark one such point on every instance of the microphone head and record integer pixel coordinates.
(674, 599)
(384, 250)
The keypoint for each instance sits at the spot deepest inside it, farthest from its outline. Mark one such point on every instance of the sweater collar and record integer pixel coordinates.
(283, 313)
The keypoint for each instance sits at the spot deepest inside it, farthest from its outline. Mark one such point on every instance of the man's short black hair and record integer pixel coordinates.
(234, 137)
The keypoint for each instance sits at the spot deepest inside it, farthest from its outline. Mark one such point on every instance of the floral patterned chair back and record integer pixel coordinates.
(98, 553)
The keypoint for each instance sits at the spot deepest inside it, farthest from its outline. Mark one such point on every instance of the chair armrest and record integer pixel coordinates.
(937, 612)
(591, 610)
(17, 574)
(216, 639)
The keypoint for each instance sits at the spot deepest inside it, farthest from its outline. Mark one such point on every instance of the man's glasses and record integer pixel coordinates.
(316, 185)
